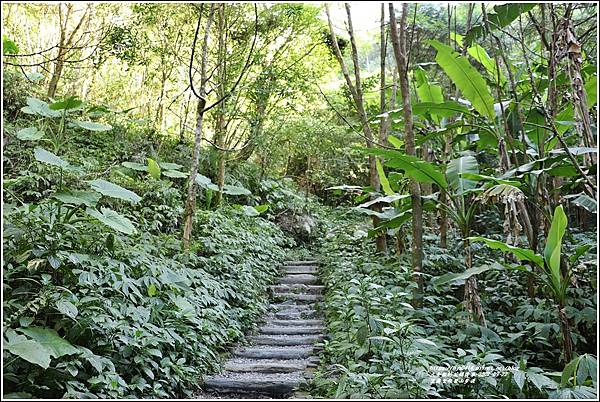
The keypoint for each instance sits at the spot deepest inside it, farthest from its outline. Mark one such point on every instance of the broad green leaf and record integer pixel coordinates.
(386, 200)
(461, 276)
(39, 107)
(92, 126)
(553, 246)
(113, 190)
(385, 184)
(479, 54)
(541, 381)
(362, 334)
(66, 104)
(501, 16)
(174, 173)
(67, 308)
(466, 78)
(170, 166)
(426, 91)
(75, 197)
(425, 342)
(152, 291)
(591, 90)
(519, 378)
(205, 182)
(153, 169)
(112, 219)
(29, 350)
(445, 109)
(29, 134)
(135, 166)
(250, 211)
(485, 178)
(9, 46)
(522, 254)
(48, 157)
(235, 190)
(262, 208)
(456, 168)
(396, 142)
(50, 340)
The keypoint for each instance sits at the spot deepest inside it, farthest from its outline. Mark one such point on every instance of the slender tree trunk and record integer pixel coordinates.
(472, 300)
(565, 330)
(400, 53)
(190, 202)
(357, 95)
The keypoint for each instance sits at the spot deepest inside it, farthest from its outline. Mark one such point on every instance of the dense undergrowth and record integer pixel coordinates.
(100, 300)
(381, 346)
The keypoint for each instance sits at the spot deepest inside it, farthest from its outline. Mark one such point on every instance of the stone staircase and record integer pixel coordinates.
(280, 356)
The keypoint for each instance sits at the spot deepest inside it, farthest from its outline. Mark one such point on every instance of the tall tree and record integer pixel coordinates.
(401, 55)
(358, 102)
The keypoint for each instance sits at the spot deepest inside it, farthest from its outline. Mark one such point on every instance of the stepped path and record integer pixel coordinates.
(281, 356)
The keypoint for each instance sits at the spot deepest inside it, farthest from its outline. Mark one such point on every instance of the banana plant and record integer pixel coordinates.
(549, 269)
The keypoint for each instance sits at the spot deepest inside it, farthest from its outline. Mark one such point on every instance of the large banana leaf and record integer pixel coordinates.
(385, 183)
(502, 16)
(466, 78)
(522, 254)
(426, 91)
(455, 170)
(553, 246)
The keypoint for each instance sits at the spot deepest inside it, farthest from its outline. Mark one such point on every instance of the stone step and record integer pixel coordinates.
(295, 314)
(267, 366)
(298, 288)
(303, 262)
(275, 352)
(285, 340)
(279, 384)
(295, 323)
(298, 297)
(300, 269)
(290, 305)
(305, 279)
(268, 330)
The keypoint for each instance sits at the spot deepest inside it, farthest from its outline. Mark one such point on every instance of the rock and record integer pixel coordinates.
(267, 366)
(273, 384)
(295, 323)
(298, 288)
(308, 269)
(298, 297)
(303, 262)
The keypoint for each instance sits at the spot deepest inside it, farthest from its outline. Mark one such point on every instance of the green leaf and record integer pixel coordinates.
(426, 91)
(262, 208)
(362, 334)
(445, 109)
(50, 340)
(249, 210)
(92, 126)
(67, 308)
(29, 134)
(414, 167)
(502, 16)
(552, 249)
(170, 166)
(29, 350)
(135, 166)
(522, 254)
(386, 200)
(466, 78)
(205, 182)
(396, 142)
(479, 54)
(540, 381)
(75, 197)
(112, 219)
(235, 190)
(425, 342)
(174, 174)
(39, 107)
(451, 277)
(152, 291)
(9, 46)
(385, 184)
(519, 379)
(49, 158)
(455, 171)
(113, 190)
(591, 90)
(66, 104)
(153, 169)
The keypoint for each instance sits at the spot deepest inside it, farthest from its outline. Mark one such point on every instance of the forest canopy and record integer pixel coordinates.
(430, 168)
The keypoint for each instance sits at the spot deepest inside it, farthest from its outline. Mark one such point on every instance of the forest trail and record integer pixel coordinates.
(279, 359)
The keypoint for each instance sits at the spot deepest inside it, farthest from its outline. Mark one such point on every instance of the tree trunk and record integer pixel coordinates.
(190, 202)
(472, 300)
(565, 330)
(357, 95)
(400, 53)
